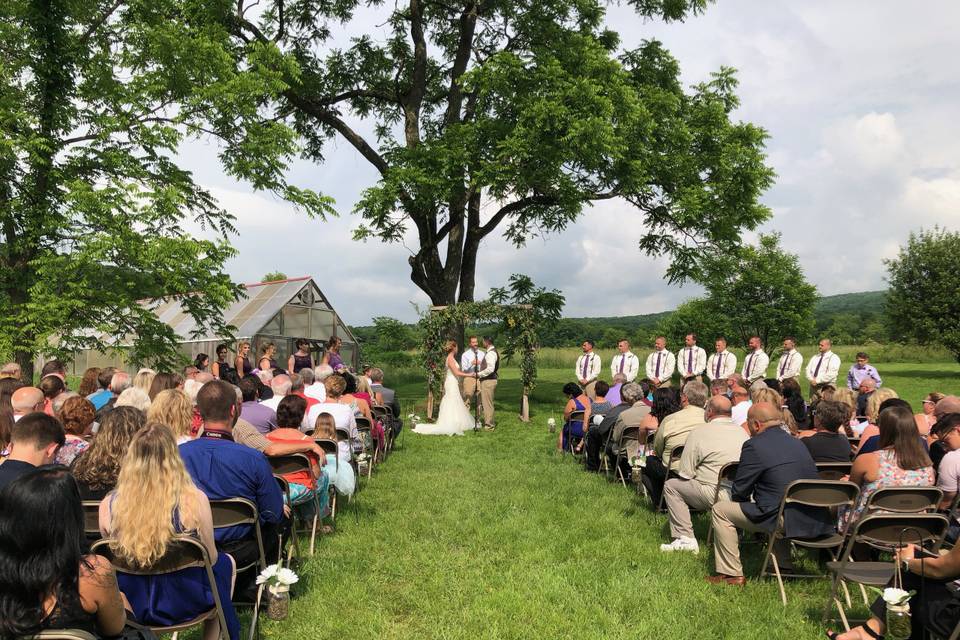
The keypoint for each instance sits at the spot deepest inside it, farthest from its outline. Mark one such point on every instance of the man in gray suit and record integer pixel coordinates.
(389, 399)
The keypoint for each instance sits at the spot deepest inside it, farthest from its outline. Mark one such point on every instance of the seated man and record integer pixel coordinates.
(389, 397)
(596, 434)
(769, 461)
(827, 444)
(222, 468)
(312, 388)
(707, 449)
(102, 395)
(631, 393)
(34, 442)
(671, 433)
(613, 393)
(25, 401)
(252, 410)
(866, 388)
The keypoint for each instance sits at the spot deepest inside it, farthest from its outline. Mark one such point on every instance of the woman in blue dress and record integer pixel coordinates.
(573, 429)
(155, 500)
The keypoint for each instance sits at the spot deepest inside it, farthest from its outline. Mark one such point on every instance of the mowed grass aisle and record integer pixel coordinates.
(494, 535)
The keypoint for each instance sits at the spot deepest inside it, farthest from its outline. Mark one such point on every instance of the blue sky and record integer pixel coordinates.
(862, 102)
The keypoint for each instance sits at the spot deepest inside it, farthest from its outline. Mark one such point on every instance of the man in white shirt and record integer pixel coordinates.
(741, 404)
(281, 386)
(791, 361)
(721, 363)
(822, 369)
(691, 360)
(312, 388)
(756, 362)
(625, 362)
(471, 362)
(660, 364)
(588, 369)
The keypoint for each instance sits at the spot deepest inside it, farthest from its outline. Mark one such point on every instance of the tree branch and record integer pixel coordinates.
(98, 22)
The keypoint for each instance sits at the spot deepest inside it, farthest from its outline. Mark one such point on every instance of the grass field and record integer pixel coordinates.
(495, 535)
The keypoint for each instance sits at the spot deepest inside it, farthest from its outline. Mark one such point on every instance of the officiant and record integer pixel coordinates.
(471, 362)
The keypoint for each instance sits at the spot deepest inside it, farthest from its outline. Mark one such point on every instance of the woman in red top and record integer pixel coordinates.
(304, 485)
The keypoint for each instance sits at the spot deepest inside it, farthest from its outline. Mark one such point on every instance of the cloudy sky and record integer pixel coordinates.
(859, 100)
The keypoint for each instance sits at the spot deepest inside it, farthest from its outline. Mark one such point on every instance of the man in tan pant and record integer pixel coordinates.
(487, 379)
(471, 362)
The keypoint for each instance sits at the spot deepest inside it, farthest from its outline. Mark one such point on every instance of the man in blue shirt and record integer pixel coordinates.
(223, 469)
(101, 397)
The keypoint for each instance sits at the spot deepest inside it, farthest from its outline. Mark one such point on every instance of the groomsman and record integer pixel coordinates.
(755, 365)
(660, 364)
(471, 361)
(691, 360)
(861, 371)
(790, 362)
(721, 363)
(625, 362)
(822, 369)
(588, 369)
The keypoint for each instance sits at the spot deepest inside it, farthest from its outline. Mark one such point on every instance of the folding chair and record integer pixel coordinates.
(343, 435)
(91, 519)
(673, 460)
(234, 512)
(629, 434)
(363, 428)
(833, 470)
(724, 479)
(904, 500)
(183, 552)
(575, 416)
(296, 463)
(886, 530)
(824, 494)
(385, 416)
(330, 447)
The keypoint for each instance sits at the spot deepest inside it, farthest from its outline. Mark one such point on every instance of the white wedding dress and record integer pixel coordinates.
(454, 418)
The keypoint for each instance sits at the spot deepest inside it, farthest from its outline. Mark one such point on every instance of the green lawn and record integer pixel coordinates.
(495, 535)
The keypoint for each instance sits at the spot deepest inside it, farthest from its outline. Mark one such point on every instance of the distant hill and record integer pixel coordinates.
(860, 303)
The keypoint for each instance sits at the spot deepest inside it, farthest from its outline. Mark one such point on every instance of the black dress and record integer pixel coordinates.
(302, 362)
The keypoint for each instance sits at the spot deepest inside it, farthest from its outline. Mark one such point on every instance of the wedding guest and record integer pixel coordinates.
(88, 383)
(660, 364)
(791, 361)
(312, 388)
(861, 371)
(304, 485)
(133, 397)
(624, 363)
(141, 518)
(46, 579)
(97, 469)
(388, 398)
(51, 386)
(597, 434)
(866, 389)
(337, 467)
(26, 400)
(613, 393)
(756, 363)
(77, 415)
(173, 408)
(100, 397)
(577, 400)
(301, 358)
(742, 402)
(691, 360)
(163, 381)
(587, 369)
(331, 355)
(721, 363)
(33, 443)
(827, 443)
(342, 413)
(926, 419)
(144, 380)
(793, 399)
(673, 429)
(600, 406)
(631, 394)
(877, 398)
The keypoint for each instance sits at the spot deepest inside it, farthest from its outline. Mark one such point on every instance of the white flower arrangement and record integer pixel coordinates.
(597, 419)
(551, 422)
(896, 596)
(277, 577)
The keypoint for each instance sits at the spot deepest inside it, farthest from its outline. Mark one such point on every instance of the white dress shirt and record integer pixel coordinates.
(466, 360)
(789, 365)
(738, 414)
(631, 365)
(823, 368)
(755, 365)
(316, 391)
(691, 361)
(721, 365)
(489, 364)
(592, 367)
(668, 362)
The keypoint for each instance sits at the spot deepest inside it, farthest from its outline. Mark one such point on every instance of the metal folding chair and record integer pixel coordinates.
(571, 445)
(330, 447)
(629, 434)
(724, 480)
(233, 512)
(91, 519)
(673, 461)
(296, 463)
(833, 470)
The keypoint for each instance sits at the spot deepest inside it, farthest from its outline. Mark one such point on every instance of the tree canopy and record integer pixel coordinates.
(923, 302)
(489, 116)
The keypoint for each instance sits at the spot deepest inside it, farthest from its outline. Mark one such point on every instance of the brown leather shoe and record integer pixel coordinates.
(737, 581)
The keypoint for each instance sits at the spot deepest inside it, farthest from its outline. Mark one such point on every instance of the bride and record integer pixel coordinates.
(454, 418)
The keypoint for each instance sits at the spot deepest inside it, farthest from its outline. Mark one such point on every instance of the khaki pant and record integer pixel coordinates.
(487, 390)
(727, 518)
(681, 495)
(469, 386)
(591, 390)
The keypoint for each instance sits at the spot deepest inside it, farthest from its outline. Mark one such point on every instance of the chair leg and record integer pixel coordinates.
(776, 570)
(255, 616)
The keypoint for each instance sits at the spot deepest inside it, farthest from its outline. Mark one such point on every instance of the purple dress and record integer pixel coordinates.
(335, 361)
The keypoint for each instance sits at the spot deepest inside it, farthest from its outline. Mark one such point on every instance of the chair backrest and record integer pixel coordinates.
(233, 512)
(822, 493)
(833, 470)
(675, 454)
(183, 552)
(381, 411)
(727, 473)
(282, 465)
(91, 518)
(343, 434)
(328, 446)
(888, 530)
(362, 423)
(575, 416)
(904, 499)
(61, 634)
(631, 433)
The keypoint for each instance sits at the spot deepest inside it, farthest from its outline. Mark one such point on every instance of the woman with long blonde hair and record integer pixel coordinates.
(173, 408)
(242, 362)
(155, 500)
(144, 379)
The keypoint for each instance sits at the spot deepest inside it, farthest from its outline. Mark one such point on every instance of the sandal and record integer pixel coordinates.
(833, 635)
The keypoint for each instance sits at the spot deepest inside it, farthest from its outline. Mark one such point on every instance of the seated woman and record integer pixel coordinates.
(826, 443)
(849, 399)
(342, 413)
(877, 398)
(77, 415)
(933, 606)
(793, 400)
(341, 474)
(358, 390)
(155, 499)
(871, 444)
(901, 461)
(304, 485)
(97, 469)
(665, 402)
(927, 419)
(577, 400)
(600, 406)
(173, 408)
(772, 396)
(52, 386)
(46, 582)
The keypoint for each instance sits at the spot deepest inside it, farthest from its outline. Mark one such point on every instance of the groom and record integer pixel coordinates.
(487, 379)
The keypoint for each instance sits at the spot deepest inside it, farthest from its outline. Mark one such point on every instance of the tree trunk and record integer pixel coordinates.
(25, 360)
